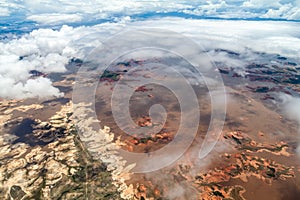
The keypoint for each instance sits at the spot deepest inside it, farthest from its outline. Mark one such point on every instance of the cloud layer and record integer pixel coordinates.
(67, 11)
(43, 50)
(291, 107)
(48, 50)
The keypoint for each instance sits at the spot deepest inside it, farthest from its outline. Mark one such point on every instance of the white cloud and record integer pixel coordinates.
(281, 11)
(40, 87)
(262, 36)
(4, 12)
(41, 50)
(16, 83)
(48, 51)
(6, 7)
(248, 9)
(262, 4)
(291, 107)
(55, 18)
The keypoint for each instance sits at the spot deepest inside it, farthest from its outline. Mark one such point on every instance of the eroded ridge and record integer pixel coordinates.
(101, 145)
(51, 162)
